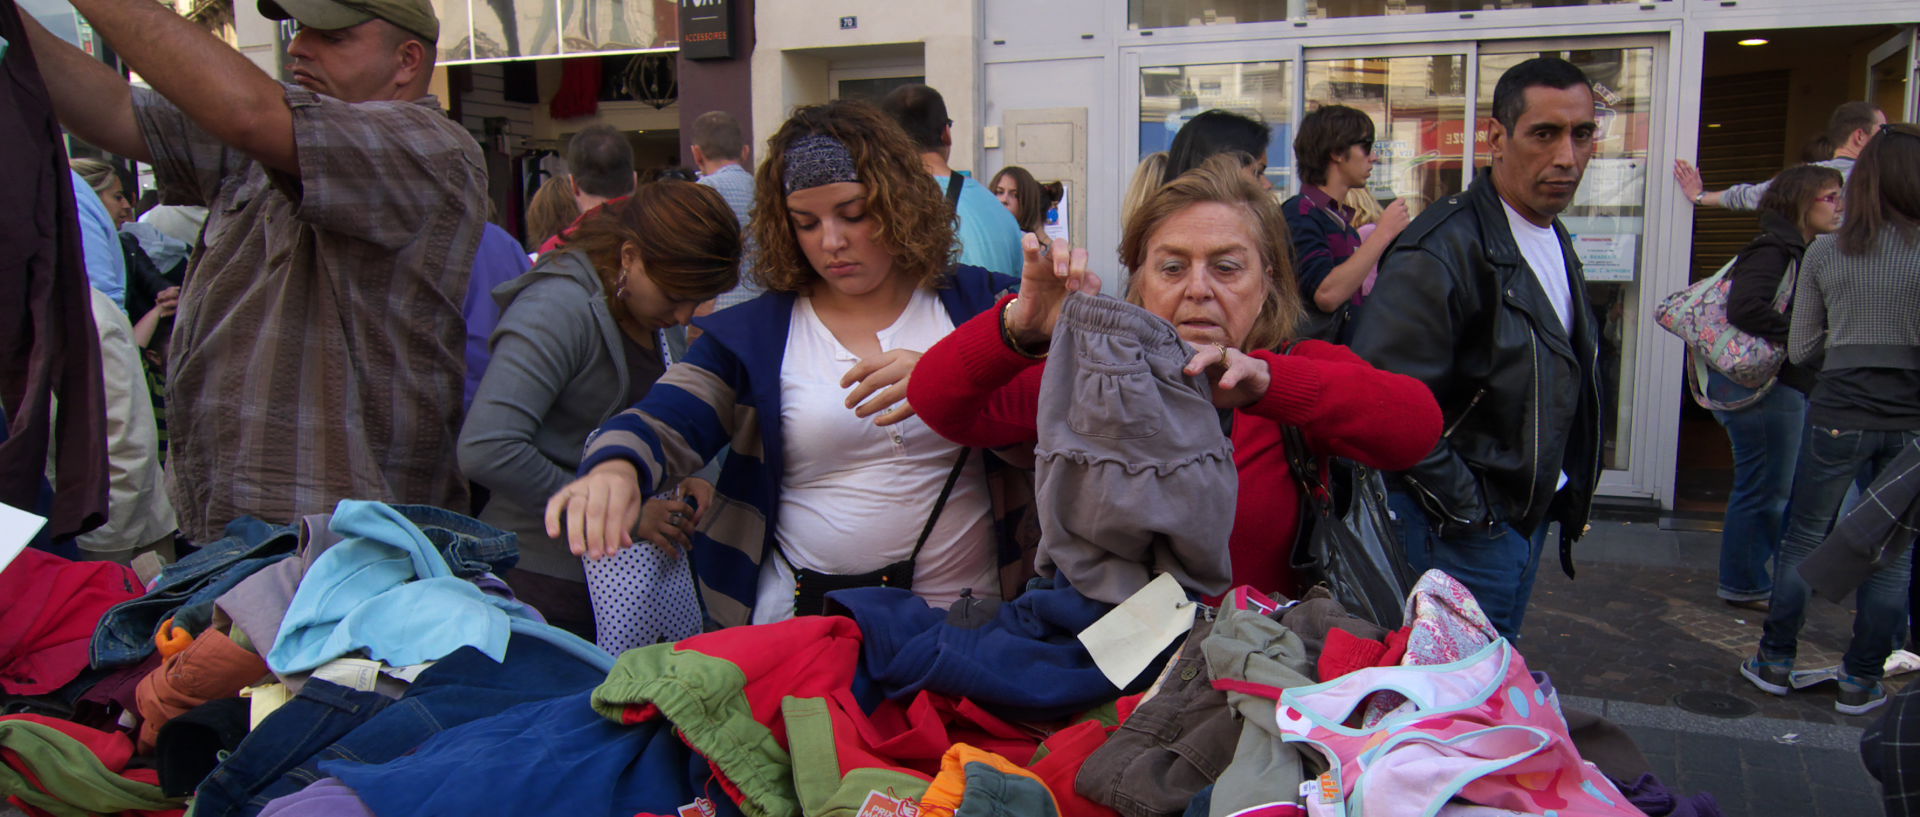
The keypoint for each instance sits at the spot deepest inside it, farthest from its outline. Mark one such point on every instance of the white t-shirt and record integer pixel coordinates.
(1541, 247)
(854, 496)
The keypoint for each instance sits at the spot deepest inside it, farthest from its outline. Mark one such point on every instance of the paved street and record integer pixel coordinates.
(1641, 628)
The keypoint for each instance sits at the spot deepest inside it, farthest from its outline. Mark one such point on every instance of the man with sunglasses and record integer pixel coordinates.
(1334, 150)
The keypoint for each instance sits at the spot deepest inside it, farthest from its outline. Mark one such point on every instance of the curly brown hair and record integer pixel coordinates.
(1223, 179)
(912, 219)
(687, 237)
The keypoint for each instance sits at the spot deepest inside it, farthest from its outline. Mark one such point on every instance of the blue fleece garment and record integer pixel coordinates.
(384, 588)
(1026, 664)
(549, 757)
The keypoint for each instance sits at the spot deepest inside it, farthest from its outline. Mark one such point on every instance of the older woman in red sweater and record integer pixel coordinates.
(1208, 252)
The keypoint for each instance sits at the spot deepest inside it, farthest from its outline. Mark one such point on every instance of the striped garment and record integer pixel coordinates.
(1323, 237)
(318, 351)
(715, 398)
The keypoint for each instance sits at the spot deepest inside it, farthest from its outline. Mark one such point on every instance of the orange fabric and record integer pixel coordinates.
(170, 640)
(210, 668)
(949, 787)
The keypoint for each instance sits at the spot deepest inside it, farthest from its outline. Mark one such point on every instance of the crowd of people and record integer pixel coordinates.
(843, 377)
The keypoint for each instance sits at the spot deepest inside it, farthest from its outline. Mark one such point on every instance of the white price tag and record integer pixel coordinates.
(17, 528)
(352, 673)
(1123, 642)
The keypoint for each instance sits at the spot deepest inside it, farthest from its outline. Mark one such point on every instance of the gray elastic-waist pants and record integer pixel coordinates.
(1135, 474)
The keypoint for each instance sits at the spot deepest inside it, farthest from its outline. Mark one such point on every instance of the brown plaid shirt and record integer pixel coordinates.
(317, 353)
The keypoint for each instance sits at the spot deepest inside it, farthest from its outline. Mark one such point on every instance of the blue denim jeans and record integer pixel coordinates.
(1499, 567)
(1829, 461)
(320, 715)
(470, 546)
(125, 634)
(1766, 443)
(343, 724)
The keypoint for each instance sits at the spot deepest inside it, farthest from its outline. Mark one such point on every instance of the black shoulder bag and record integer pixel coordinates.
(1347, 539)
(955, 184)
(810, 587)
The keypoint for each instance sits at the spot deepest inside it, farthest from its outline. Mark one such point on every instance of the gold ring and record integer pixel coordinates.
(1223, 350)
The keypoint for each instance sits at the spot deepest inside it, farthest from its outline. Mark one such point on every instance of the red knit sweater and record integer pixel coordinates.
(975, 391)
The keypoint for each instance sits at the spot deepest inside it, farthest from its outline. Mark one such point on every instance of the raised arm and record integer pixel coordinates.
(972, 389)
(214, 85)
(90, 99)
(1347, 408)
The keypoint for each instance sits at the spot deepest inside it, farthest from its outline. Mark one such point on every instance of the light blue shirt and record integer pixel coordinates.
(106, 263)
(735, 185)
(989, 237)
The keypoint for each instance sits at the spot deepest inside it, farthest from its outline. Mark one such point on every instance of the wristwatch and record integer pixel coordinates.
(1700, 198)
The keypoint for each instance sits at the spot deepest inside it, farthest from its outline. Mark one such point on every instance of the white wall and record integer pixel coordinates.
(1068, 84)
(798, 43)
(1062, 54)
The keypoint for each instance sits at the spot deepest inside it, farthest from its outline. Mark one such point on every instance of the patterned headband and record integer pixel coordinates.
(818, 160)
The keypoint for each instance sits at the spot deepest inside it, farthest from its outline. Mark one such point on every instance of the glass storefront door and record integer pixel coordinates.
(1419, 109)
(1170, 95)
(1608, 216)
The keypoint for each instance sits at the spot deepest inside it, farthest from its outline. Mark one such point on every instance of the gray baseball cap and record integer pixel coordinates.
(413, 15)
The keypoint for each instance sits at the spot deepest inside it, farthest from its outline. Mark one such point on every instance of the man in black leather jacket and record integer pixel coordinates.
(1483, 300)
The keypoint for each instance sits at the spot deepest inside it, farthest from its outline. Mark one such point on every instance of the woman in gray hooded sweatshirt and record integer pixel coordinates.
(581, 336)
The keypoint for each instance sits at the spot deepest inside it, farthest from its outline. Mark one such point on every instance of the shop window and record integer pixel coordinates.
(1180, 13)
(1172, 94)
(1608, 215)
(477, 30)
(1419, 109)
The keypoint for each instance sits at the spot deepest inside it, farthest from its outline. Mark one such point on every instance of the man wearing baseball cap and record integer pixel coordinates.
(318, 348)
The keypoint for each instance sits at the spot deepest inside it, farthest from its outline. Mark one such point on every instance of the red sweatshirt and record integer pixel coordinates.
(975, 391)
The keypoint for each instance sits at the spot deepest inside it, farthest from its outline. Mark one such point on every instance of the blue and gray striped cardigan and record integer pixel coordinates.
(715, 398)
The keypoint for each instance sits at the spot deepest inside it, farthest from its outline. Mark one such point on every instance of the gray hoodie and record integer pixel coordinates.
(558, 371)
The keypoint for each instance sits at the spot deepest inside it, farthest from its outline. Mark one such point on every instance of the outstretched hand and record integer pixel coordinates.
(1238, 379)
(1046, 279)
(1689, 178)
(599, 510)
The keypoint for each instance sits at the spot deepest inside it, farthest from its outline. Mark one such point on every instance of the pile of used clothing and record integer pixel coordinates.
(368, 662)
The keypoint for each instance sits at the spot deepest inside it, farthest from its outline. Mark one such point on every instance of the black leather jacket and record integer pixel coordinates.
(1457, 307)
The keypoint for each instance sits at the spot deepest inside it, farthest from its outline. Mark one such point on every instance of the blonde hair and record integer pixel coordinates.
(1146, 179)
(99, 174)
(1366, 208)
(1223, 179)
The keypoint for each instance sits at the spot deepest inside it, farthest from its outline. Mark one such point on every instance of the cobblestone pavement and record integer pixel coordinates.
(1641, 626)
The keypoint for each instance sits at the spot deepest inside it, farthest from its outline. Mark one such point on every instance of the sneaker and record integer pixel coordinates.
(1858, 697)
(1756, 605)
(1772, 677)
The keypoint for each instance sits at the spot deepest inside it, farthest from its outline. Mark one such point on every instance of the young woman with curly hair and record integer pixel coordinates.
(829, 472)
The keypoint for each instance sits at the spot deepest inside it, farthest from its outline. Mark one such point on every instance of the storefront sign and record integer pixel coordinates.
(706, 29)
(1606, 257)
